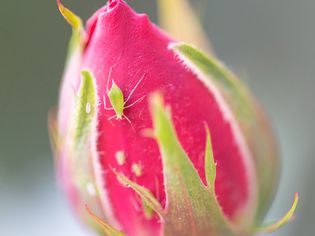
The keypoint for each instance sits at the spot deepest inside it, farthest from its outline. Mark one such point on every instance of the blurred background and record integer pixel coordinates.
(269, 43)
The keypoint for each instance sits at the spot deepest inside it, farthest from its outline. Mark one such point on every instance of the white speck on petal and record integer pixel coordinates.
(120, 158)
(88, 108)
(90, 188)
(136, 169)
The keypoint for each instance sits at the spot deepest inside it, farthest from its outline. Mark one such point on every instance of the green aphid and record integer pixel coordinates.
(117, 99)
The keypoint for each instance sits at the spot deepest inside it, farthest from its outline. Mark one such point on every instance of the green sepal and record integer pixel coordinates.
(77, 38)
(251, 120)
(269, 228)
(147, 197)
(74, 20)
(190, 208)
(83, 155)
(147, 209)
(210, 165)
(86, 108)
(253, 124)
(106, 228)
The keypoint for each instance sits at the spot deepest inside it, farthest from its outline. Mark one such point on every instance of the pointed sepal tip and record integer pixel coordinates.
(148, 200)
(107, 228)
(187, 198)
(283, 221)
(74, 20)
(210, 165)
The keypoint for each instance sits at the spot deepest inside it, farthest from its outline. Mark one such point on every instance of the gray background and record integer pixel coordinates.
(269, 43)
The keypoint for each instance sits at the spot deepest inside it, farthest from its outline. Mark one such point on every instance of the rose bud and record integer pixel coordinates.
(153, 137)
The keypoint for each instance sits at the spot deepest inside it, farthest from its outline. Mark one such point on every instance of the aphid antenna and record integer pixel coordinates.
(138, 100)
(105, 106)
(123, 116)
(132, 91)
(127, 119)
(112, 117)
(108, 78)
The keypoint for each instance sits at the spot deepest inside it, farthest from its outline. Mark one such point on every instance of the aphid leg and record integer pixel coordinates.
(135, 88)
(110, 121)
(138, 100)
(107, 89)
(124, 116)
(105, 107)
(108, 77)
(112, 117)
(129, 121)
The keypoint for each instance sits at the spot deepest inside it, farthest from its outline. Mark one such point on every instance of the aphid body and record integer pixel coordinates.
(117, 99)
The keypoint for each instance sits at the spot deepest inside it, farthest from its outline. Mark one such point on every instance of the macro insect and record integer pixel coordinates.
(117, 99)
